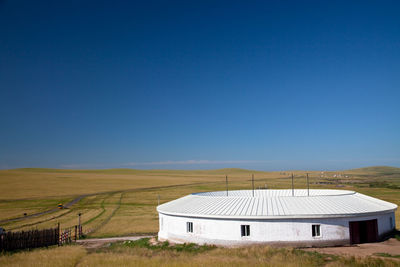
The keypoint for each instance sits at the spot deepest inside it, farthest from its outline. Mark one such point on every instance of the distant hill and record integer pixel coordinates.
(374, 170)
(377, 170)
(138, 171)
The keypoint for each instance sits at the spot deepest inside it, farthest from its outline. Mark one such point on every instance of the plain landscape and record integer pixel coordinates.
(122, 202)
(112, 108)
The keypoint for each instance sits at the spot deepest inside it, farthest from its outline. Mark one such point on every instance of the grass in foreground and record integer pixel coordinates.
(143, 253)
(55, 256)
(387, 255)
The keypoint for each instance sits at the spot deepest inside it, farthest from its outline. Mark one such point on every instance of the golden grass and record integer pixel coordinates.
(23, 184)
(120, 255)
(52, 257)
(53, 183)
(140, 221)
(247, 256)
(34, 190)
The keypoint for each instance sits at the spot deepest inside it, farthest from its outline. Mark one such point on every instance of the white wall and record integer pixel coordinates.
(228, 232)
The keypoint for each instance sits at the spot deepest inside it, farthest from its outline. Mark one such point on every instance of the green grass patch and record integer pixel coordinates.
(319, 257)
(387, 255)
(396, 234)
(139, 204)
(383, 184)
(186, 247)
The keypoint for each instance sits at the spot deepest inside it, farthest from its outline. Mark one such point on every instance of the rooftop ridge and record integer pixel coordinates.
(274, 193)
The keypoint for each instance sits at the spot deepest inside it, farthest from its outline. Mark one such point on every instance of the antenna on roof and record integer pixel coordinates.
(308, 187)
(226, 181)
(292, 186)
(252, 181)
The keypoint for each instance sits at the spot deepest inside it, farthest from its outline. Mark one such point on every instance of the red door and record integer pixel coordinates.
(363, 231)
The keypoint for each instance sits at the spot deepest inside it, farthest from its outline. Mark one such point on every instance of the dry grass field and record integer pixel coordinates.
(139, 253)
(120, 202)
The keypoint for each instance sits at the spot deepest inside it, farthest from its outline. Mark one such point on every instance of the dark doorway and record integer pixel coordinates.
(363, 231)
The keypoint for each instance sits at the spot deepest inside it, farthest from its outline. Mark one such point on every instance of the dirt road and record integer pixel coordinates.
(77, 199)
(67, 205)
(390, 246)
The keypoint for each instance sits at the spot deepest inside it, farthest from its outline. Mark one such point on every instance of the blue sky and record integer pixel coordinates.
(265, 85)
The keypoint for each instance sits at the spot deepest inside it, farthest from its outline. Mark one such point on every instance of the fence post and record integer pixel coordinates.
(58, 233)
(79, 224)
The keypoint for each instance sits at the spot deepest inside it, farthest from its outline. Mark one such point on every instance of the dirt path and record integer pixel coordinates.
(94, 243)
(67, 205)
(390, 246)
(77, 199)
(42, 221)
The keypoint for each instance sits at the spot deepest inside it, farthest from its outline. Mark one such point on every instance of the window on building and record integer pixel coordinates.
(245, 230)
(316, 230)
(189, 227)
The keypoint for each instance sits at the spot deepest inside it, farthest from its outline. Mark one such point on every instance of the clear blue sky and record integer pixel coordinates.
(265, 85)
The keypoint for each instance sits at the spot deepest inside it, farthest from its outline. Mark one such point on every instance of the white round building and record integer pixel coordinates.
(314, 218)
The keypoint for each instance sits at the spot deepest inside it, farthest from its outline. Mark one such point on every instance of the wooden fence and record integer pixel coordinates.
(29, 239)
(39, 238)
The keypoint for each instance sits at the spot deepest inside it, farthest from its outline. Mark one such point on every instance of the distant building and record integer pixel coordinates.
(322, 218)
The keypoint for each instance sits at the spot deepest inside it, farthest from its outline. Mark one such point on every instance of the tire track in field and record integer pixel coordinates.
(109, 217)
(61, 215)
(103, 209)
(79, 198)
(46, 220)
(67, 205)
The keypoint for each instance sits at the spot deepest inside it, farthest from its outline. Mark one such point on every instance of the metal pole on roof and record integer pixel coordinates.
(292, 186)
(226, 181)
(308, 187)
(252, 181)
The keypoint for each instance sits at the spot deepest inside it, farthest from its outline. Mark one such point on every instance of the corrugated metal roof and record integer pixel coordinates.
(276, 204)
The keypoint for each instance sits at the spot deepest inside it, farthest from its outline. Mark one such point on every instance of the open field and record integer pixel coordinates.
(120, 202)
(123, 202)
